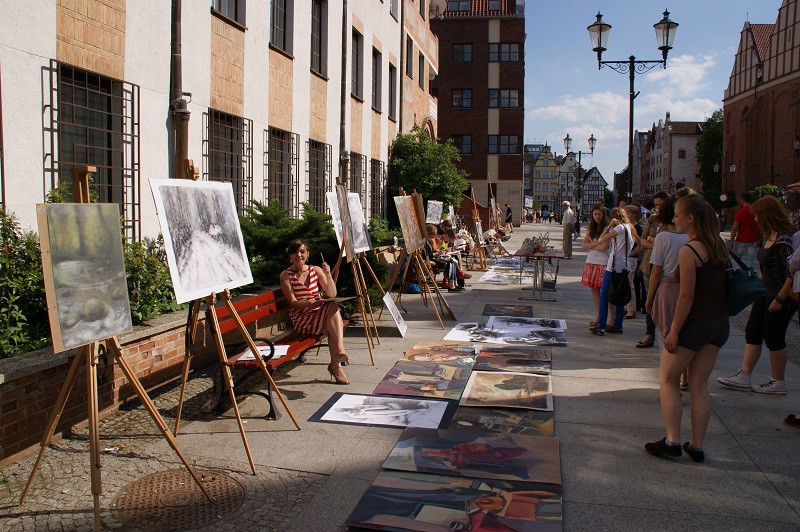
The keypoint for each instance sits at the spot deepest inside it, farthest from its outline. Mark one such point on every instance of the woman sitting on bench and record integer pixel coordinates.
(310, 314)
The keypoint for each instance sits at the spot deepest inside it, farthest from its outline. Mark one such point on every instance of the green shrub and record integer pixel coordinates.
(149, 284)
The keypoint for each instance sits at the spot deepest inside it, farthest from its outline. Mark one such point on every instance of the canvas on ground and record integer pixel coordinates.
(202, 237)
(383, 411)
(489, 361)
(434, 214)
(509, 390)
(84, 272)
(480, 332)
(477, 454)
(399, 500)
(533, 324)
(541, 354)
(394, 312)
(461, 346)
(491, 309)
(504, 420)
(424, 379)
(440, 355)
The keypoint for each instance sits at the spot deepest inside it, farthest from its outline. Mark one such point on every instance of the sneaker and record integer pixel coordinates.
(661, 449)
(738, 380)
(773, 387)
(697, 455)
(596, 331)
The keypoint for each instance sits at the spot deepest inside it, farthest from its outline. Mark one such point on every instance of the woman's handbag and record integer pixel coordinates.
(744, 286)
(619, 292)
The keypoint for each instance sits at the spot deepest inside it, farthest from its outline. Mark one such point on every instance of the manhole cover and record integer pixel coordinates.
(171, 500)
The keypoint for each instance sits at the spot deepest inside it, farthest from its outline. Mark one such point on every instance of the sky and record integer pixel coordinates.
(565, 92)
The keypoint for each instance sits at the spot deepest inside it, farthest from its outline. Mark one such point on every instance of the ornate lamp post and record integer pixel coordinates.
(665, 35)
(567, 145)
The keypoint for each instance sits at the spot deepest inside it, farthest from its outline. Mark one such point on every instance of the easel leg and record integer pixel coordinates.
(226, 373)
(403, 257)
(364, 317)
(94, 429)
(116, 351)
(58, 409)
(243, 331)
(422, 274)
(367, 298)
(191, 331)
(442, 301)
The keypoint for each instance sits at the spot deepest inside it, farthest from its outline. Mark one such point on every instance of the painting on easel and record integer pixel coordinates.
(84, 272)
(412, 236)
(434, 214)
(202, 237)
(358, 226)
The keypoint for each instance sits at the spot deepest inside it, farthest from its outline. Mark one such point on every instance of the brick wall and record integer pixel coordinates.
(227, 67)
(90, 34)
(280, 90)
(416, 106)
(318, 108)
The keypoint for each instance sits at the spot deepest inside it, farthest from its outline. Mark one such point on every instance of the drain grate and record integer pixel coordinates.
(171, 500)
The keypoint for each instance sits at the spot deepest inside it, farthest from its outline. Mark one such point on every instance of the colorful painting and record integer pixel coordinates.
(388, 302)
(84, 273)
(489, 361)
(435, 503)
(441, 355)
(480, 332)
(434, 214)
(509, 390)
(383, 411)
(424, 379)
(477, 454)
(503, 420)
(531, 353)
(508, 310)
(202, 237)
(413, 238)
(532, 324)
(441, 344)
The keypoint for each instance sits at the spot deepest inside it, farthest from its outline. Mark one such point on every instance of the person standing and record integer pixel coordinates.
(620, 234)
(597, 258)
(744, 233)
(771, 313)
(545, 215)
(648, 238)
(634, 213)
(509, 219)
(568, 220)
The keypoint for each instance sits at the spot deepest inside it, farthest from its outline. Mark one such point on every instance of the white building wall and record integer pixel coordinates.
(685, 169)
(256, 87)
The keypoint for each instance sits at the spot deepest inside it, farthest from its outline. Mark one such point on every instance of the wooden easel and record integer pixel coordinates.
(362, 296)
(479, 253)
(494, 220)
(88, 355)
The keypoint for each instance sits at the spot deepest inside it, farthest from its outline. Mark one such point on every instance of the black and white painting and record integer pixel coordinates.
(533, 324)
(481, 332)
(479, 231)
(388, 302)
(384, 411)
(358, 230)
(202, 237)
(434, 214)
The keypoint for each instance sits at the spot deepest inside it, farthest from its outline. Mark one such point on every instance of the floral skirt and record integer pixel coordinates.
(593, 275)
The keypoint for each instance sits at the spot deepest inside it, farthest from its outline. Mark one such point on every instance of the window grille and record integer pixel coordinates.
(358, 175)
(377, 203)
(228, 149)
(93, 120)
(318, 173)
(281, 160)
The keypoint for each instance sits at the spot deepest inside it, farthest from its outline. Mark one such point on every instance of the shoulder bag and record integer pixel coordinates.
(619, 293)
(744, 286)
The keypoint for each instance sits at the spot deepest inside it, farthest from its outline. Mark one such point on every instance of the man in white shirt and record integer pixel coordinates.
(568, 227)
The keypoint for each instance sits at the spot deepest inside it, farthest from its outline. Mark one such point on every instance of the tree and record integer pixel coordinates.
(420, 163)
(709, 154)
(608, 197)
(768, 190)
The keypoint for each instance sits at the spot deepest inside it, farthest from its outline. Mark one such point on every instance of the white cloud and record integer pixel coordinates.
(685, 75)
(603, 107)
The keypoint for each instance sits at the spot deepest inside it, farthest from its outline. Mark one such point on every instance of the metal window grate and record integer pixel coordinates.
(377, 196)
(358, 175)
(228, 153)
(318, 173)
(90, 119)
(281, 156)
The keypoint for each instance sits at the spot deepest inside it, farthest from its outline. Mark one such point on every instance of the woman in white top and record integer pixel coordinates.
(597, 259)
(622, 238)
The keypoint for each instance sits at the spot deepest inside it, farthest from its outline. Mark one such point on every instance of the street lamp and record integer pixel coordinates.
(592, 143)
(665, 36)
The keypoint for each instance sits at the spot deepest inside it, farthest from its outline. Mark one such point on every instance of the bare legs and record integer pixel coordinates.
(335, 329)
(777, 359)
(596, 299)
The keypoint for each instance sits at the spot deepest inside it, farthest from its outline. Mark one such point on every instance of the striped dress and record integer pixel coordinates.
(310, 321)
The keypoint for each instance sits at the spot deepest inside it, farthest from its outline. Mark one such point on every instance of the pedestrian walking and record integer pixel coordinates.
(568, 221)
(770, 313)
(699, 328)
(545, 215)
(648, 238)
(619, 233)
(509, 219)
(596, 260)
(744, 233)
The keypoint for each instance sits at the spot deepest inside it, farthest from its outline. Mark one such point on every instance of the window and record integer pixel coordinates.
(463, 144)
(503, 98)
(282, 178)
(319, 37)
(538, 174)
(494, 5)
(681, 154)
(393, 8)
(422, 11)
(458, 5)
(318, 173)
(504, 144)
(421, 71)
(503, 52)
(358, 175)
(357, 52)
(462, 53)
(392, 92)
(377, 196)
(97, 124)
(230, 154)
(536, 187)
(280, 25)
(232, 9)
(462, 98)
(377, 82)
(409, 55)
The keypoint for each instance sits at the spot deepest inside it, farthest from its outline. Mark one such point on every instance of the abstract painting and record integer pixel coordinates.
(489, 361)
(84, 272)
(422, 502)
(424, 379)
(440, 355)
(480, 332)
(533, 324)
(388, 302)
(414, 240)
(383, 411)
(509, 390)
(477, 454)
(508, 310)
(503, 420)
(202, 237)
(434, 214)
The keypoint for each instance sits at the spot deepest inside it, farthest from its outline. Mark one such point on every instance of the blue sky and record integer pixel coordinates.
(565, 93)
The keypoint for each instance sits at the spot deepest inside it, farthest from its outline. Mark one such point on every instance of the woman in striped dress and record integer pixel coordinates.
(310, 314)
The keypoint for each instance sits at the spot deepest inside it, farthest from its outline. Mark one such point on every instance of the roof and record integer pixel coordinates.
(762, 34)
(480, 8)
(685, 128)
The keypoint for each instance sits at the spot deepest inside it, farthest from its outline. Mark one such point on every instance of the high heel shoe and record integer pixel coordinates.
(343, 359)
(339, 377)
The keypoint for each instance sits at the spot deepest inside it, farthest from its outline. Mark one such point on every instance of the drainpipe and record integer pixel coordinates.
(178, 105)
(344, 154)
(402, 72)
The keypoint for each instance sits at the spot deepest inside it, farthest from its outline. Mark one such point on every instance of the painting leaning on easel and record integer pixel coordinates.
(84, 273)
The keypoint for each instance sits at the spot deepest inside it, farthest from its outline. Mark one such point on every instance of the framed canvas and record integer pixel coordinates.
(394, 312)
(508, 390)
(434, 214)
(202, 237)
(424, 379)
(505, 420)
(84, 272)
(384, 411)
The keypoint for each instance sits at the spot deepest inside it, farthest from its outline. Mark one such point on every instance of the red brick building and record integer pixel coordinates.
(480, 92)
(762, 105)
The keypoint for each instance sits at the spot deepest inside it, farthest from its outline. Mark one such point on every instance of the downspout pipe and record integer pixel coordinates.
(344, 154)
(178, 105)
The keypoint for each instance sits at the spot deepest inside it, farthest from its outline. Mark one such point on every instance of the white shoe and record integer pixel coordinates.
(738, 380)
(773, 387)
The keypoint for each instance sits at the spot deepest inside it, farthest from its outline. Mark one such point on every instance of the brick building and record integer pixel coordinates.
(480, 91)
(761, 138)
(420, 66)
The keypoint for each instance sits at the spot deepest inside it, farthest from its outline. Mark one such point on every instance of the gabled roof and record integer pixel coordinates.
(762, 34)
(685, 128)
(480, 8)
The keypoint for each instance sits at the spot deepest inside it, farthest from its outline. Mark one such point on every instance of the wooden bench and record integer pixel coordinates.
(266, 310)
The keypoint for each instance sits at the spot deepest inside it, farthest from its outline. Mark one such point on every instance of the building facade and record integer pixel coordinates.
(545, 178)
(89, 83)
(480, 92)
(593, 190)
(567, 177)
(761, 139)
(420, 49)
